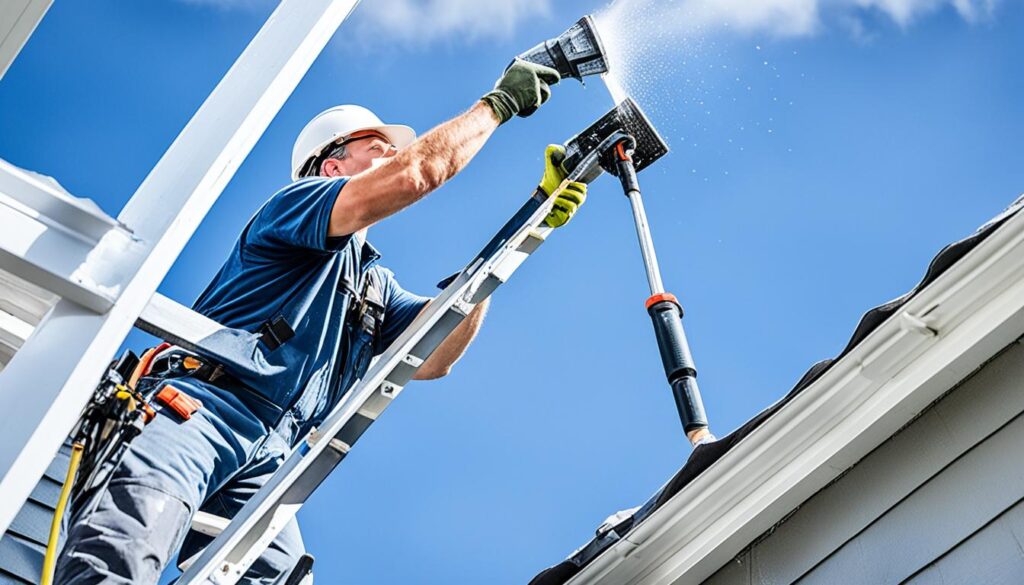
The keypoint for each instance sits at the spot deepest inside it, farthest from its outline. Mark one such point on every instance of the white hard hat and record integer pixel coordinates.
(339, 122)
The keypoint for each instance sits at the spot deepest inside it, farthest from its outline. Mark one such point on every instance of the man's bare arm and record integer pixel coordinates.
(415, 171)
(451, 349)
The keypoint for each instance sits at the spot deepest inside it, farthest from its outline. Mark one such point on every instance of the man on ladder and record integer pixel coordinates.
(306, 307)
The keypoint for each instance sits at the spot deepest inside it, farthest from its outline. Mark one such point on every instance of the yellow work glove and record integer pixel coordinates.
(571, 198)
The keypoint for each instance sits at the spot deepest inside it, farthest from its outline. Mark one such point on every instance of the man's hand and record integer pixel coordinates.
(569, 199)
(522, 89)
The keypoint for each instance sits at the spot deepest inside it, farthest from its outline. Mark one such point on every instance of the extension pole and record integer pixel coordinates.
(666, 313)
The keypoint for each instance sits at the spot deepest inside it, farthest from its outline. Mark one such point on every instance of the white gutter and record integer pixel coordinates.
(938, 338)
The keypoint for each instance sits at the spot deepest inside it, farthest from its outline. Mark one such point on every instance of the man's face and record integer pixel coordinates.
(362, 149)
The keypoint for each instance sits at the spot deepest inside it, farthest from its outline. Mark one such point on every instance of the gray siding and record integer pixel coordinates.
(940, 502)
(22, 547)
(999, 544)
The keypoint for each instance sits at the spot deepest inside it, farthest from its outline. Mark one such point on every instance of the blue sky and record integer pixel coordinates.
(822, 154)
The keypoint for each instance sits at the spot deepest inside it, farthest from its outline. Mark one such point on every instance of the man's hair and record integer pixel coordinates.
(313, 164)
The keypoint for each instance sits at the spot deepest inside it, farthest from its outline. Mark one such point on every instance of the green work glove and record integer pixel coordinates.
(521, 90)
(571, 198)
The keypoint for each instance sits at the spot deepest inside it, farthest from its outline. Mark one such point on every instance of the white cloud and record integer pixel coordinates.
(786, 18)
(420, 21)
(423, 21)
(903, 12)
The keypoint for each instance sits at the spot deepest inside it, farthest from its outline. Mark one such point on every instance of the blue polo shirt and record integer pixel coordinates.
(285, 265)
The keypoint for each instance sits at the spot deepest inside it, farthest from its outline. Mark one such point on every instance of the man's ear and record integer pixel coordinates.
(330, 168)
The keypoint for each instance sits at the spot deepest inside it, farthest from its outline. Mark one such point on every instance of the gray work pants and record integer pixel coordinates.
(214, 462)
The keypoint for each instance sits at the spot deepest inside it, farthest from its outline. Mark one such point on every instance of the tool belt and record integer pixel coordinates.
(175, 363)
(188, 364)
(365, 315)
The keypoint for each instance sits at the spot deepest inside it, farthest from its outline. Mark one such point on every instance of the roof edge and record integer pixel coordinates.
(950, 328)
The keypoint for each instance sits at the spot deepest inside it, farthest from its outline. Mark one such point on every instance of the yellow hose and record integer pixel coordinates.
(50, 560)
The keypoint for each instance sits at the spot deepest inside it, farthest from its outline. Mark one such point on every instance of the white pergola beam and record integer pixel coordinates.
(23, 299)
(50, 379)
(18, 18)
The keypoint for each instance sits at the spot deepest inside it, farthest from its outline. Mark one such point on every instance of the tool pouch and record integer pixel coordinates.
(178, 401)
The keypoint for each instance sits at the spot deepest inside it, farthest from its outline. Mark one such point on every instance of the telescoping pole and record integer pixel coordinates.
(665, 311)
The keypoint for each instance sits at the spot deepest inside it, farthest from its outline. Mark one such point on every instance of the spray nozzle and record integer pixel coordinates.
(625, 124)
(577, 52)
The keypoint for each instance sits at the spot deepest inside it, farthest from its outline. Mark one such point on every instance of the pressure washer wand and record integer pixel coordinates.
(665, 311)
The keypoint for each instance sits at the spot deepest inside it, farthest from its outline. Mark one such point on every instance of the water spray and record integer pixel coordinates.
(628, 143)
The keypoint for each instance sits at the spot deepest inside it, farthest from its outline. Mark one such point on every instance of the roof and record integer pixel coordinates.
(902, 356)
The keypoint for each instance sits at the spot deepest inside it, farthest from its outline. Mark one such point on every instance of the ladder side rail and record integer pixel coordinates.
(228, 557)
(48, 382)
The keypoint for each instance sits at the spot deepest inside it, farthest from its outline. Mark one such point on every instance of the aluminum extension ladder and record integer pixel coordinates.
(226, 559)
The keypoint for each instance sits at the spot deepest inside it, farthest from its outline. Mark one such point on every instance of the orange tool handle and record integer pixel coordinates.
(178, 401)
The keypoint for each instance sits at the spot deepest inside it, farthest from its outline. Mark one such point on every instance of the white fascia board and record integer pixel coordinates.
(48, 199)
(49, 235)
(971, 312)
(18, 19)
(176, 323)
(47, 255)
